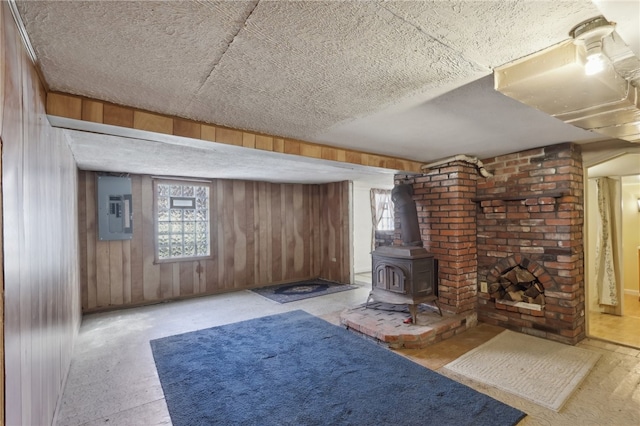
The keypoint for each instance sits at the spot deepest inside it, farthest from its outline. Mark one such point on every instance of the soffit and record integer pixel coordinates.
(399, 78)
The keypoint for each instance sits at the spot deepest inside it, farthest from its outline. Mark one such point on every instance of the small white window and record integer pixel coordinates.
(182, 220)
(382, 210)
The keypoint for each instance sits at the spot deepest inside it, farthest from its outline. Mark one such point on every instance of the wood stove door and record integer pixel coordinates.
(390, 278)
(424, 274)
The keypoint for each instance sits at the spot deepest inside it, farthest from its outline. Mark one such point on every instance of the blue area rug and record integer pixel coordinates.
(296, 369)
(284, 293)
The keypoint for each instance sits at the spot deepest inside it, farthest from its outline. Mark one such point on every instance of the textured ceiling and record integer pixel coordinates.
(407, 78)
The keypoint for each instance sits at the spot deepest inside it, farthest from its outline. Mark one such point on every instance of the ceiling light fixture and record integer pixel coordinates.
(590, 34)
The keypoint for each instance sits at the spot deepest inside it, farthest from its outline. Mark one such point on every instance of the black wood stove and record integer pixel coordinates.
(405, 274)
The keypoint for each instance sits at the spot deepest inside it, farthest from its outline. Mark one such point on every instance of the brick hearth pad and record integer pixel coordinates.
(385, 323)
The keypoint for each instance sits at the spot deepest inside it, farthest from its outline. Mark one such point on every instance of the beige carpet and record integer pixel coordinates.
(535, 369)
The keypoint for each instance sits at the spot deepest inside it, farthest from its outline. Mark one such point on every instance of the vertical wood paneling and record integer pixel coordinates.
(116, 281)
(335, 237)
(186, 128)
(90, 238)
(306, 231)
(137, 275)
(262, 234)
(212, 264)
(41, 289)
(103, 284)
(92, 111)
(229, 136)
(126, 271)
(116, 115)
(220, 226)
(186, 278)
(12, 158)
(289, 233)
(264, 246)
(240, 235)
(250, 232)
(276, 233)
(200, 277)
(228, 237)
(150, 271)
(82, 225)
(166, 281)
(175, 279)
(297, 241)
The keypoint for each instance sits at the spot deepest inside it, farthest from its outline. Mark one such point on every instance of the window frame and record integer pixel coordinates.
(173, 181)
(389, 208)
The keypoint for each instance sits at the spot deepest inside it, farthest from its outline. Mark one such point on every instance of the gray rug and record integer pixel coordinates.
(285, 293)
(539, 370)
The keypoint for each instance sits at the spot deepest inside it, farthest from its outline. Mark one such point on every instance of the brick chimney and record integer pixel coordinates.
(530, 211)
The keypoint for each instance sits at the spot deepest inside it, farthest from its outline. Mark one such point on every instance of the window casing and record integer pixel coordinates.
(182, 220)
(384, 211)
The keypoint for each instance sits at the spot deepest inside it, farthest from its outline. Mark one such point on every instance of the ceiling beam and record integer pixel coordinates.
(96, 111)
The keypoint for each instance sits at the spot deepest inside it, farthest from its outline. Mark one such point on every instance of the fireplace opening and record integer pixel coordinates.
(518, 281)
(517, 284)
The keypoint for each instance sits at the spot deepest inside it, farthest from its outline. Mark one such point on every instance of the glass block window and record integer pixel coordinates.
(182, 220)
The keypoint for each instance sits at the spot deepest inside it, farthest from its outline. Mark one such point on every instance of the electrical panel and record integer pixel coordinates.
(115, 208)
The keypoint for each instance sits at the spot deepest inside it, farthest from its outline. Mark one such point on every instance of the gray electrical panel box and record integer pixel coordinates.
(115, 210)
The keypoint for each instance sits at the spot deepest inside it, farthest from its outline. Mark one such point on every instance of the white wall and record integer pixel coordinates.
(630, 234)
(630, 237)
(362, 226)
(593, 223)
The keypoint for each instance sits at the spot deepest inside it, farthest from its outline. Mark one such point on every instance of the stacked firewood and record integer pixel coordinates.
(518, 285)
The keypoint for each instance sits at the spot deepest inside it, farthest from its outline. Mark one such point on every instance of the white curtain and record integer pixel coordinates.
(377, 209)
(607, 268)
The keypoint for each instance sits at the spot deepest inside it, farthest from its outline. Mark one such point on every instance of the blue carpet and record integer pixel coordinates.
(296, 369)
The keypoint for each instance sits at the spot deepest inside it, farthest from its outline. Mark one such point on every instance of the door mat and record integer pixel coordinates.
(539, 370)
(285, 293)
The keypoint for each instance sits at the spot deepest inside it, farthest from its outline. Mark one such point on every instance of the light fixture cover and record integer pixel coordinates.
(554, 81)
(590, 34)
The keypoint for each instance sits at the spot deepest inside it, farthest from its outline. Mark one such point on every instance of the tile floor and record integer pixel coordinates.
(113, 379)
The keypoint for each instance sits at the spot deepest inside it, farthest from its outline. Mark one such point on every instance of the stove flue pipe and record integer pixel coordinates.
(405, 207)
(461, 157)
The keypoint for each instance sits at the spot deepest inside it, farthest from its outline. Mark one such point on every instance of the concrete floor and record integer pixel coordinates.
(113, 379)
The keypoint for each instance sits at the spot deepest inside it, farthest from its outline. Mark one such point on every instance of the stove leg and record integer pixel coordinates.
(366, 305)
(438, 306)
(413, 309)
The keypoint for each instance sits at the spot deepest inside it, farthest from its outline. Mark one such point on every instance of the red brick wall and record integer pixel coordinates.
(545, 225)
(532, 208)
(447, 219)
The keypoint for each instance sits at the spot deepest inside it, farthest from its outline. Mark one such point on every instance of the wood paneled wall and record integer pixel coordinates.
(40, 244)
(335, 232)
(262, 233)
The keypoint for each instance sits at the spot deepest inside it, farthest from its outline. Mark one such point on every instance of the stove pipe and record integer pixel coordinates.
(402, 196)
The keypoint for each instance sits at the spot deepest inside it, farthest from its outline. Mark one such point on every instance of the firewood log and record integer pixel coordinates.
(493, 287)
(516, 296)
